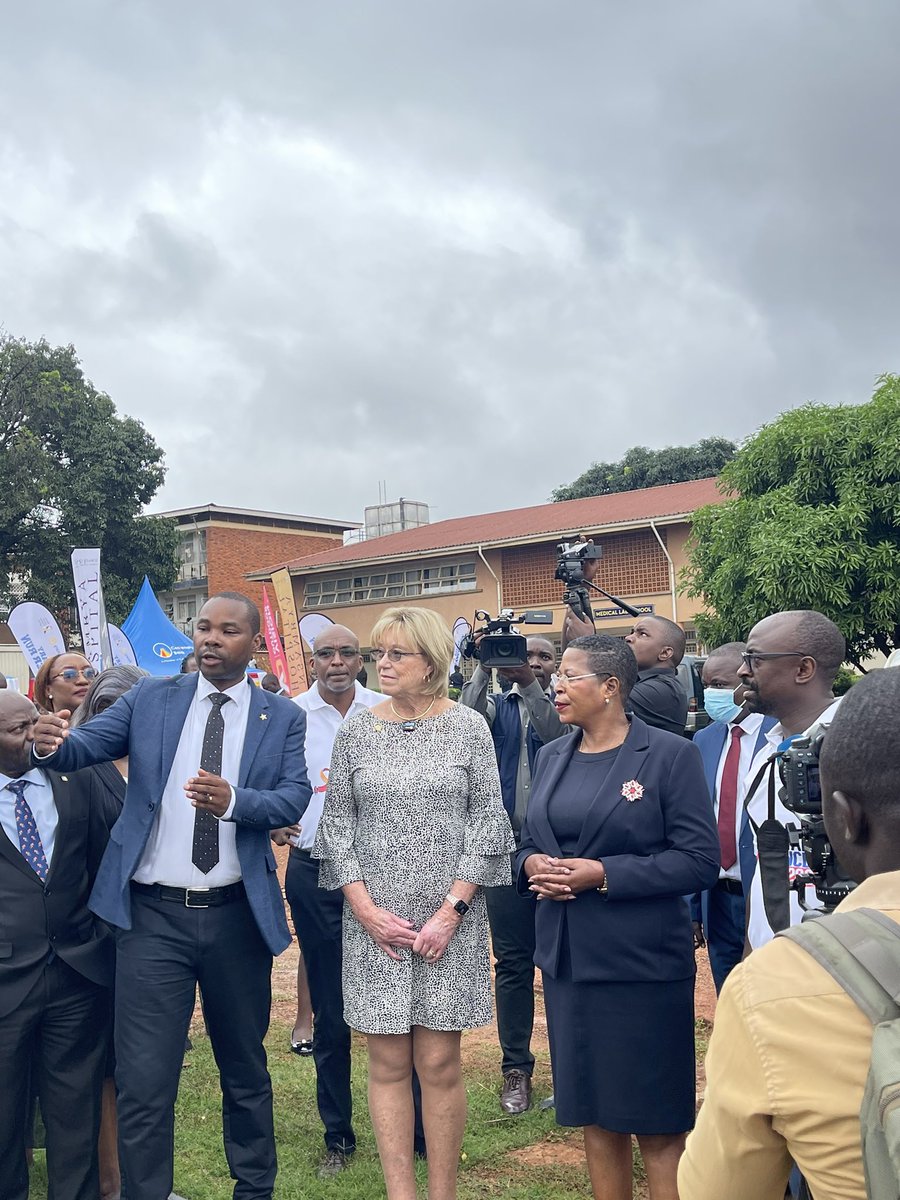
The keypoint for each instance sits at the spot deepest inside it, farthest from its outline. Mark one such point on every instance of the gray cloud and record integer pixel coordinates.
(314, 247)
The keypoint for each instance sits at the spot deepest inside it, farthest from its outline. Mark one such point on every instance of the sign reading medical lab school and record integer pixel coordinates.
(613, 614)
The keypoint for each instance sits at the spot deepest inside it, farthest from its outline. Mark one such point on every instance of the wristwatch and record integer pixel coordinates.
(460, 905)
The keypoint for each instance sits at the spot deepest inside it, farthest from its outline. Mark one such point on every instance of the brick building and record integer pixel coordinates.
(219, 547)
(507, 560)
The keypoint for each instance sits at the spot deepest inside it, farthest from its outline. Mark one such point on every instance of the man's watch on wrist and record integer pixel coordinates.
(456, 903)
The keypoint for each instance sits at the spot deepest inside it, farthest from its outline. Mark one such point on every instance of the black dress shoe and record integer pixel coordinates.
(303, 1047)
(515, 1098)
(333, 1163)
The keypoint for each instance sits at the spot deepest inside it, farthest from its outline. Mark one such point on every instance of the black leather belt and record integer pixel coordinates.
(734, 887)
(191, 897)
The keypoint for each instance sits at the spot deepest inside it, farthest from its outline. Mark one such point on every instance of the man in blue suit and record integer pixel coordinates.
(189, 882)
(727, 746)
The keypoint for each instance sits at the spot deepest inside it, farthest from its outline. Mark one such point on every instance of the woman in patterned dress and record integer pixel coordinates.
(413, 828)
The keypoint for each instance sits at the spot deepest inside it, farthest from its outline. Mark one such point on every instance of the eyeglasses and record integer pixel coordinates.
(327, 653)
(396, 656)
(571, 678)
(70, 674)
(752, 658)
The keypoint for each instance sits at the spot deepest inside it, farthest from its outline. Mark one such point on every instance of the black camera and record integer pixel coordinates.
(801, 792)
(495, 644)
(571, 557)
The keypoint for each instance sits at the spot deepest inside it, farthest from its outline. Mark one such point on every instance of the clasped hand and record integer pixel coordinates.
(391, 932)
(562, 878)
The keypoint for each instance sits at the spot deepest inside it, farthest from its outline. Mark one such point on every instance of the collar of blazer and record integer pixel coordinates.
(178, 701)
(631, 760)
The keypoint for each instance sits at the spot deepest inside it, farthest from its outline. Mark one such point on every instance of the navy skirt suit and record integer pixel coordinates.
(618, 969)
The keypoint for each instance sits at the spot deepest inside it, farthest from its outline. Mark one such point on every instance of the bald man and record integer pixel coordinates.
(55, 964)
(787, 670)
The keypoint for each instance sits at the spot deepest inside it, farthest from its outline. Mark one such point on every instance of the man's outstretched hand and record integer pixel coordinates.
(50, 731)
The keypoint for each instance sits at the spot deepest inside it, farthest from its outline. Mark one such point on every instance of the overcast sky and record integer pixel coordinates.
(464, 247)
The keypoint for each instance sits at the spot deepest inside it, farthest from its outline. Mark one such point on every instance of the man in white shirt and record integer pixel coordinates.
(788, 670)
(334, 698)
(727, 746)
(188, 879)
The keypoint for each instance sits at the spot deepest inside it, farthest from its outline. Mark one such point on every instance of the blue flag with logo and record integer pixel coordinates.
(158, 646)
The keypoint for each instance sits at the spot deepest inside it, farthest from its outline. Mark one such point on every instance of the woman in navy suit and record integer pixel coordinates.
(619, 830)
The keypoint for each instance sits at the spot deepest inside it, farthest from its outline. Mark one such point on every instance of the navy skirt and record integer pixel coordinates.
(622, 1054)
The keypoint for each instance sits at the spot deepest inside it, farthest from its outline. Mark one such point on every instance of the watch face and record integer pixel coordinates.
(461, 907)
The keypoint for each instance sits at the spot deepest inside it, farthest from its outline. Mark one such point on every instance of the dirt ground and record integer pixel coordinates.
(480, 1046)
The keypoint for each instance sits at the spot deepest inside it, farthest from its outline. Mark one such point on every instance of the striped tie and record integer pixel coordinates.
(30, 843)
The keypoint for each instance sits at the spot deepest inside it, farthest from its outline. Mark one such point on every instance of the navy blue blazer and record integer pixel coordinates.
(655, 849)
(709, 742)
(272, 789)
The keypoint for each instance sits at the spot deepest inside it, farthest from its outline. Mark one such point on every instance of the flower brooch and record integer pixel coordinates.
(632, 790)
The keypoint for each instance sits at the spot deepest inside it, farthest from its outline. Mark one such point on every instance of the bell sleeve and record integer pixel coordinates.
(488, 841)
(335, 845)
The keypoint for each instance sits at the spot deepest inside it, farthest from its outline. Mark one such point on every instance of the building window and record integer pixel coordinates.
(381, 585)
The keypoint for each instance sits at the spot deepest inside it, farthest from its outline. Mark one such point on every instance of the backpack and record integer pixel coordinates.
(861, 950)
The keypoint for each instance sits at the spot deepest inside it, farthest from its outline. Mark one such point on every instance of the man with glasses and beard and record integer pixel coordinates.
(316, 913)
(787, 670)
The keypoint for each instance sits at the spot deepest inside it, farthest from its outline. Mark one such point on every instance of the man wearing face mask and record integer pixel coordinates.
(727, 746)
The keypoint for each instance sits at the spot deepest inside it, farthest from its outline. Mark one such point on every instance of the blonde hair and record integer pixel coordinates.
(426, 633)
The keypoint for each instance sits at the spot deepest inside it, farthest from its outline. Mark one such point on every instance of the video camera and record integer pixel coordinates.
(495, 644)
(801, 792)
(571, 557)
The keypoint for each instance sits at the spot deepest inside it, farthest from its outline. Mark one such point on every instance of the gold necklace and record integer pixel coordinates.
(415, 716)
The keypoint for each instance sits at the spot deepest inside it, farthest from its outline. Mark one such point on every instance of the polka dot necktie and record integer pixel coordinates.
(30, 843)
(205, 847)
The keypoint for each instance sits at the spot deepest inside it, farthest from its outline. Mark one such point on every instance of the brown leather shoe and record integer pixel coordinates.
(515, 1098)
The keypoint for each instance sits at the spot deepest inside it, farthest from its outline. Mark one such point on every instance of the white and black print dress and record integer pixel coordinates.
(408, 813)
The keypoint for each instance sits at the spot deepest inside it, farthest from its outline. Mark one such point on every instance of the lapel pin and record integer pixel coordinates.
(263, 717)
(64, 778)
(632, 790)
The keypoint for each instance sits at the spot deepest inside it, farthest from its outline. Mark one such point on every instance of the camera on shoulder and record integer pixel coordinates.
(496, 644)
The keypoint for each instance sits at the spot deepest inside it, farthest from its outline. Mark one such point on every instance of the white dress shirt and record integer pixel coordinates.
(750, 725)
(322, 723)
(759, 931)
(167, 855)
(39, 795)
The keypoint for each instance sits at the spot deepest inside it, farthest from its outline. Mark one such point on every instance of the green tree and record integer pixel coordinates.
(643, 468)
(813, 521)
(74, 473)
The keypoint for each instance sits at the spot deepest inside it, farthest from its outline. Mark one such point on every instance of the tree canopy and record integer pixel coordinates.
(643, 468)
(813, 521)
(74, 473)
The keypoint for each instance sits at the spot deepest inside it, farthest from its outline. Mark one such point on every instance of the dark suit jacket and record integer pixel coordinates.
(709, 742)
(654, 849)
(39, 918)
(271, 791)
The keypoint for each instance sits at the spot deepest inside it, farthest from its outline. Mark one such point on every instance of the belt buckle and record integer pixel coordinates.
(187, 897)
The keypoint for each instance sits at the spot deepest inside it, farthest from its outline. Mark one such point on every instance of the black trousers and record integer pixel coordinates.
(511, 918)
(160, 961)
(725, 921)
(56, 1040)
(317, 916)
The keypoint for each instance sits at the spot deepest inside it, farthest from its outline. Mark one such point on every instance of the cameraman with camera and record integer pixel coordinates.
(788, 670)
(790, 1053)
(522, 720)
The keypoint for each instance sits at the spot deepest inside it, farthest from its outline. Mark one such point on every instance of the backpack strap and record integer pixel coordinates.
(861, 950)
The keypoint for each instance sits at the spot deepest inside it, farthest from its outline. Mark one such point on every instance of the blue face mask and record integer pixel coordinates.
(719, 703)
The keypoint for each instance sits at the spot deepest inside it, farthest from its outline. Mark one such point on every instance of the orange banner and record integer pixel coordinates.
(293, 643)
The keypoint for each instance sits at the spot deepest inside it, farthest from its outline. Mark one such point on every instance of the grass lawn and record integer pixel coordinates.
(524, 1158)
